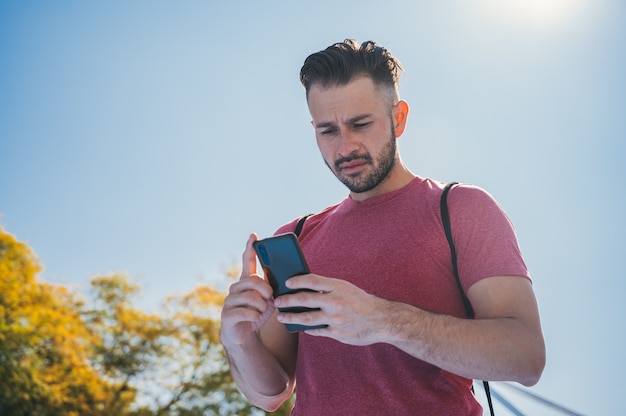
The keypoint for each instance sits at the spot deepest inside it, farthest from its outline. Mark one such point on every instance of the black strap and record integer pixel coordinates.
(445, 218)
(300, 224)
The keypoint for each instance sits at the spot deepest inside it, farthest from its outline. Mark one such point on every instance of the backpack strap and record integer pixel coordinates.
(445, 218)
(300, 224)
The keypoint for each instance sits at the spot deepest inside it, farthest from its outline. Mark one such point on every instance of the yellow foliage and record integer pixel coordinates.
(62, 355)
(43, 339)
(233, 272)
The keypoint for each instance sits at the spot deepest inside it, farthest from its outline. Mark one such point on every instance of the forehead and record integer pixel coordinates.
(359, 96)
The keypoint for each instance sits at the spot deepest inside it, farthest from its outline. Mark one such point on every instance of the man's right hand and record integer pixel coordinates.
(249, 303)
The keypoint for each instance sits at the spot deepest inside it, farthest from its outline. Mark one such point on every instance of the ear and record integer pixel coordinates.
(400, 114)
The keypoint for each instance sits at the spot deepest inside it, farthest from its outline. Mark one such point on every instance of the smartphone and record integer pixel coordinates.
(281, 258)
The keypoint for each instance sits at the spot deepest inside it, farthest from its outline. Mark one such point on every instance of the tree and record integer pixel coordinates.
(63, 355)
(44, 344)
(174, 361)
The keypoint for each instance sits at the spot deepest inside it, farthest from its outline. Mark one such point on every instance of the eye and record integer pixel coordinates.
(358, 126)
(327, 132)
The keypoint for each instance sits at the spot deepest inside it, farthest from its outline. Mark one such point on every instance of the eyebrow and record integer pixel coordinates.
(352, 120)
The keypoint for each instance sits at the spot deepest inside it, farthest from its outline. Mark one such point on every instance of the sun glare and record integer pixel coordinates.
(539, 12)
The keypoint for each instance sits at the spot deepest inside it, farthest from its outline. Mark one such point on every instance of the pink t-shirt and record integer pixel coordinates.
(394, 246)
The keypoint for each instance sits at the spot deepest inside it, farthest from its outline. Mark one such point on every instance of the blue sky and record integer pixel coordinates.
(152, 137)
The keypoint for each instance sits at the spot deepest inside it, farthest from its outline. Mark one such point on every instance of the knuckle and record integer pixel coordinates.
(306, 317)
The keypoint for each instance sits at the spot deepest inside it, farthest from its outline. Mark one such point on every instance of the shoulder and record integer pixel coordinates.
(471, 198)
(311, 219)
(475, 214)
(469, 191)
(288, 227)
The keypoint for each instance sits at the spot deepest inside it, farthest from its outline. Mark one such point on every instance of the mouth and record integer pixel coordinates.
(353, 165)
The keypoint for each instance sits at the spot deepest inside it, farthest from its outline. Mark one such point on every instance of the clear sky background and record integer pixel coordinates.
(151, 137)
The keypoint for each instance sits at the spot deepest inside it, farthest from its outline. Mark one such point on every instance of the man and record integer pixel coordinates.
(398, 340)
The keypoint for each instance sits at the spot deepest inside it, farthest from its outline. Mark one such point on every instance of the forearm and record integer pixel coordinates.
(488, 349)
(504, 343)
(258, 374)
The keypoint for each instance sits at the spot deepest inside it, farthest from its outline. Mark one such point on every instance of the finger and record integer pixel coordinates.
(319, 332)
(306, 299)
(246, 302)
(309, 318)
(254, 284)
(248, 266)
(313, 282)
(234, 317)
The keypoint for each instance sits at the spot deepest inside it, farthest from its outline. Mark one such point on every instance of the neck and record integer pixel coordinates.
(399, 177)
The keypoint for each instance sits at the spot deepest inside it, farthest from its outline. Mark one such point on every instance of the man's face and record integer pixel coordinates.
(354, 132)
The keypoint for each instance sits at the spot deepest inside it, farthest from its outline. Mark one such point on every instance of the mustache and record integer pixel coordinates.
(353, 156)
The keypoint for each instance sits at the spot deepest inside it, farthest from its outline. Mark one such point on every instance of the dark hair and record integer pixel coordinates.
(344, 61)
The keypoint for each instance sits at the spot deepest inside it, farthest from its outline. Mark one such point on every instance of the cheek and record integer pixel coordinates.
(326, 149)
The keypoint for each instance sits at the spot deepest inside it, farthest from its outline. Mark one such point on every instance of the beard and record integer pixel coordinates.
(380, 168)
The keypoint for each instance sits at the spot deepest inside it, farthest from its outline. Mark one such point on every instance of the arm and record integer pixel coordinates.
(262, 353)
(504, 342)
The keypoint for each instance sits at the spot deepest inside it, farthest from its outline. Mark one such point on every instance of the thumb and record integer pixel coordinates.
(248, 266)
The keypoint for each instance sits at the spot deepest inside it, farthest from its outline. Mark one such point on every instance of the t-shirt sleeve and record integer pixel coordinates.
(484, 237)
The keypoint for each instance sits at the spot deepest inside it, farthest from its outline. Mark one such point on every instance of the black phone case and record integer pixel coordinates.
(281, 258)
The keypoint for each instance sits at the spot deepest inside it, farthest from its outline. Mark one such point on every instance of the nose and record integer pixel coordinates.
(347, 143)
